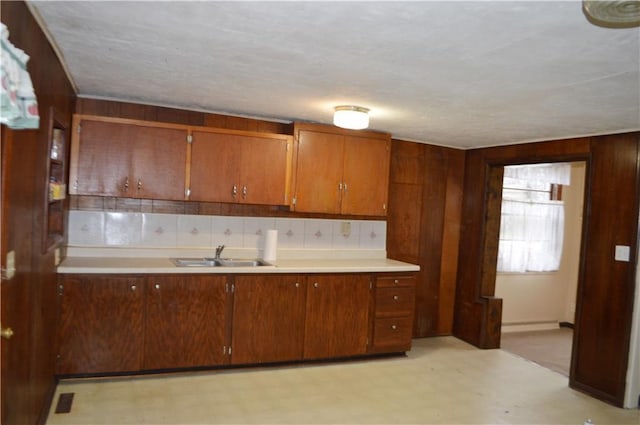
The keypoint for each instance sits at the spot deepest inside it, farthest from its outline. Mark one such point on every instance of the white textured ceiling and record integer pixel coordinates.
(460, 74)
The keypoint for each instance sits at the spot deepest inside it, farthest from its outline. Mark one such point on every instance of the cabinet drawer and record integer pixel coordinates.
(394, 301)
(392, 334)
(395, 281)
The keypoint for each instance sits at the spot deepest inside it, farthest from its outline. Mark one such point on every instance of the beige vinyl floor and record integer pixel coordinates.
(441, 381)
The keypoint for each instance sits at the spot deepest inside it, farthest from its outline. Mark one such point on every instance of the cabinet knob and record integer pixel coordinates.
(315, 284)
(396, 298)
(394, 327)
(396, 281)
(139, 184)
(234, 190)
(297, 285)
(157, 286)
(126, 184)
(134, 287)
(244, 192)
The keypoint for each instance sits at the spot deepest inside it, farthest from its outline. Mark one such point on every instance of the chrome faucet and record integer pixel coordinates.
(219, 249)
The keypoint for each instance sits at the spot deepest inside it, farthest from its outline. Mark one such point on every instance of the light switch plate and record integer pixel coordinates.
(623, 253)
(345, 229)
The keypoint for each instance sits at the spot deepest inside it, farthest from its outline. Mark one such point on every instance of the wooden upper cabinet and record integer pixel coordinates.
(240, 167)
(127, 158)
(366, 176)
(319, 172)
(214, 160)
(158, 163)
(341, 171)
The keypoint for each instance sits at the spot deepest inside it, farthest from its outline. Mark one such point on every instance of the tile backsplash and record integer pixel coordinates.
(136, 229)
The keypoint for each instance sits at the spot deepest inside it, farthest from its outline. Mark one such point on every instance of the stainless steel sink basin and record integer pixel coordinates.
(218, 262)
(231, 262)
(194, 262)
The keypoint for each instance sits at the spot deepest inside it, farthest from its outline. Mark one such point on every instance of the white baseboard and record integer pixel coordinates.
(526, 327)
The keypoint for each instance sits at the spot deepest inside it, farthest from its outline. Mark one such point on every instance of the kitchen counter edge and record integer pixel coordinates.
(128, 265)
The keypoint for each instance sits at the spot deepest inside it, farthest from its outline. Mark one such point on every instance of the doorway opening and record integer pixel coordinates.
(539, 294)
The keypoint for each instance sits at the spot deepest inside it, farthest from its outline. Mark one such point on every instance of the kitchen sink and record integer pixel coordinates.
(218, 262)
(232, 262)
(194, 262)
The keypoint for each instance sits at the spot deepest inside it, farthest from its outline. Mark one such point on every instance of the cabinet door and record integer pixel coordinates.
(100, 159)
(185, 321)
(158, 163)
(319, 172)
(268, 319)
(366, 176)
(336, 324)
(101, 324)
(128, 160)
(214, 167)
(264, 171)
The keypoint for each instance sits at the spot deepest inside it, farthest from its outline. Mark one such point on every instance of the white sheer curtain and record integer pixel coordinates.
(531, 226)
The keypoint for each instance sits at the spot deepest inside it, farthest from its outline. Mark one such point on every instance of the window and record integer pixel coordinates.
(532, 220)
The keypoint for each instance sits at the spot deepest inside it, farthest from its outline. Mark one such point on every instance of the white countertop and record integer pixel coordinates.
(109, 265)
(110, 262)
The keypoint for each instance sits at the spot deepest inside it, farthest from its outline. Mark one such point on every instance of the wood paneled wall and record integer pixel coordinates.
(606, 286)
(110, 108)
(29, 299)
(604, 307)
(477, 313)
(423, 226)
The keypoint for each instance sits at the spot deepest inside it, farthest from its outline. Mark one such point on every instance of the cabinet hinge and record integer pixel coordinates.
(384, 207)
(78, 129)
(60, 289)
(189, 139)
(287, 150)
(294, 200)
(233, 289)
(187, 192)
(370, 284)
(229, 351)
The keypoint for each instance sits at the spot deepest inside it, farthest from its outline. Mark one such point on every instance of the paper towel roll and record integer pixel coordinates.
(270, 246)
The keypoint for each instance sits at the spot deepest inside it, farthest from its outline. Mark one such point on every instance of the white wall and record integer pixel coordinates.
(541, 300)
(632, 393)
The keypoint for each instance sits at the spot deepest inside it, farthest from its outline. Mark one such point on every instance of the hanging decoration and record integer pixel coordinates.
(18, 104)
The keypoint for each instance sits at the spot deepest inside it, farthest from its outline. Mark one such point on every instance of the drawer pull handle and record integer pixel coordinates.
(134, 287)
(315, 285)
(297, 285)
(157, 286)
(396, 298)
(394, 327)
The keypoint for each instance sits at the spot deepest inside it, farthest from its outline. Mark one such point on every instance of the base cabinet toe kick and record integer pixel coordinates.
(127, 324)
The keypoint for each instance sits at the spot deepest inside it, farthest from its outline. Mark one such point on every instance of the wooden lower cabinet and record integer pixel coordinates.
(185, 321)
(120, 323)
(101, 324)
(393, 313)
(133, 323)
(337, 315)
(268, 318)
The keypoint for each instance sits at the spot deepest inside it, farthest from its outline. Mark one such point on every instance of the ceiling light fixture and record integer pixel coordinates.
(351, 117)
(612, 13)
